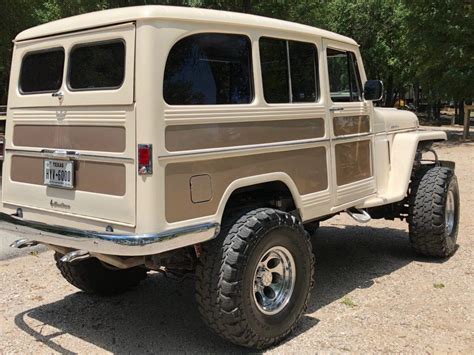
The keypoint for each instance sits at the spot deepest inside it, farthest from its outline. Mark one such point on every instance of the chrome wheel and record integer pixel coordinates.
(449, 213)
(274, 280)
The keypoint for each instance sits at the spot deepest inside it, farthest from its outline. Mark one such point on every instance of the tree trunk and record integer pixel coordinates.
(417, 95)
(467, 123)
(389, 92)
(437, 113)
(460, 117)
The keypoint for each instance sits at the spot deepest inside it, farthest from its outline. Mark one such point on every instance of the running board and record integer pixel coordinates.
(357, 215)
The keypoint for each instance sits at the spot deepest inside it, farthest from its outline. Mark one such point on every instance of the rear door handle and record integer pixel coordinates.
(333, 109)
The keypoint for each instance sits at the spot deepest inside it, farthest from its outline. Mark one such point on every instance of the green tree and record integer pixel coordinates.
(403, 42)
(379, 29)
(441, 47)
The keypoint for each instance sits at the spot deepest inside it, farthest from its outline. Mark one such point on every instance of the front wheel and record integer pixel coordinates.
(434, 212)
(253, 281)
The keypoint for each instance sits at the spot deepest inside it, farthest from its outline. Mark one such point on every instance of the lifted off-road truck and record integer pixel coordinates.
(188, 140)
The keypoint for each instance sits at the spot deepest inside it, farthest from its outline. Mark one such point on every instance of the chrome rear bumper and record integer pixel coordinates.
(109, 243)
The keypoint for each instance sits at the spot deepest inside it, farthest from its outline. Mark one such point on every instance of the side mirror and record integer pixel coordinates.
(373, 90)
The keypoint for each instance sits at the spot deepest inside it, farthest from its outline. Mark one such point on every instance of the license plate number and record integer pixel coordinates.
(59, 173)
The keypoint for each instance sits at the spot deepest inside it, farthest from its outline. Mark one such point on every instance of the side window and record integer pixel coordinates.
(209, 69)
(97, 66)
(274, 64)
(303, 71)
(42, 72)
(344, 77)
(289, 71)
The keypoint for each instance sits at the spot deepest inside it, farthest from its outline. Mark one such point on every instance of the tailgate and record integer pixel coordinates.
(70, 143)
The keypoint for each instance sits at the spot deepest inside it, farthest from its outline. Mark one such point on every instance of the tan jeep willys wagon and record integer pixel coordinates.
(167, 138)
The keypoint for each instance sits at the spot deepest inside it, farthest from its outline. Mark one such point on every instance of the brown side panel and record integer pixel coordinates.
(96, 138)
(217, 135)
(346, 125)
(98, 177)
(307, 167)
(352, 162)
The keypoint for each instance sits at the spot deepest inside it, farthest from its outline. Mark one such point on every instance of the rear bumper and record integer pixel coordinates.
(108, 243)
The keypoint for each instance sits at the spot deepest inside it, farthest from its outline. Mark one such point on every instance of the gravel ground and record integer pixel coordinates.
(372, 294)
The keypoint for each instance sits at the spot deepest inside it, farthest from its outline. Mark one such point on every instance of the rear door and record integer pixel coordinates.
(71, 106)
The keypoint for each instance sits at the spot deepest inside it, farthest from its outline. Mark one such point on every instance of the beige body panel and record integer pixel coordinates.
(329, 159)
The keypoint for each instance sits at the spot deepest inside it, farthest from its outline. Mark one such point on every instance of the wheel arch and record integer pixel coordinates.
(402, 157)
(259, 181)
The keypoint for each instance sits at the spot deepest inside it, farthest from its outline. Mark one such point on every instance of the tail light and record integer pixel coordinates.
(145, 159)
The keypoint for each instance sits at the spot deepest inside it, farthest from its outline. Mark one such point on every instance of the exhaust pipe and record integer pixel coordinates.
(76, 255)
(23, 243)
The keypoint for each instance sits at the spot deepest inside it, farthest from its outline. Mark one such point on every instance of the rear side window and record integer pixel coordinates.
(42, 72)
(289, 71)
(209, 69)
(303, 71)
(274, 63)
(97, 66)
(344, 78)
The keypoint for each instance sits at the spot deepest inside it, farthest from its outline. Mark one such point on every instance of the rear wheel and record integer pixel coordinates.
(253, 281)
(92, 276)
(312, 227)
(434, 212)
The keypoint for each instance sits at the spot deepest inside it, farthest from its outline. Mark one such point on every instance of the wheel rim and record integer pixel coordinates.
(449, 214)
(274, 280)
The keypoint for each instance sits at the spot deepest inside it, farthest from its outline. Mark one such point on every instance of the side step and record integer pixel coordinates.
(360, 216)
(23, 243)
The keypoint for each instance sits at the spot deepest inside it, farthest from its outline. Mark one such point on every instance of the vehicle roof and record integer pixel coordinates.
(159, 12)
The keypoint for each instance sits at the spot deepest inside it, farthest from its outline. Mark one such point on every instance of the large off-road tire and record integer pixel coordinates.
(434, 212)
(253, 281)
(92, 276)
(312, 227)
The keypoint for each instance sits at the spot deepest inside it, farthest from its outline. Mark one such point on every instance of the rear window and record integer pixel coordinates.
(97, 66)
(209, 69)
(42, 72)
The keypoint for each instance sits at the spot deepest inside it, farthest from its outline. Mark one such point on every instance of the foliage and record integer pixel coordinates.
(403, 42)
(442, 47)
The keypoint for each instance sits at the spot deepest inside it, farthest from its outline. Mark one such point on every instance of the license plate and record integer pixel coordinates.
(59, 173)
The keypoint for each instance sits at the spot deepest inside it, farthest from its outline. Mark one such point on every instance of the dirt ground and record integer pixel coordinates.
(372, 294)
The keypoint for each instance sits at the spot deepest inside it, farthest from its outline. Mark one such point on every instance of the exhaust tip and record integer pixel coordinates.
(76, 255)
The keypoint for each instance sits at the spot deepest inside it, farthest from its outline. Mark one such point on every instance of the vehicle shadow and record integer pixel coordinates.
(352, 257)
(161, 315)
